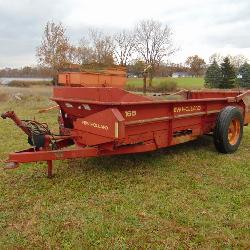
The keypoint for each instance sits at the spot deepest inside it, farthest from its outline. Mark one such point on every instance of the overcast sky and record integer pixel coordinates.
(200, 27)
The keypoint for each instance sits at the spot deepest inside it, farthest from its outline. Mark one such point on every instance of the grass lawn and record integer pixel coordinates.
(182, 82)
(183, 197)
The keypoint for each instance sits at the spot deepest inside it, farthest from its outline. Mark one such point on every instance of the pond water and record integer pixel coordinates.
(6, 80)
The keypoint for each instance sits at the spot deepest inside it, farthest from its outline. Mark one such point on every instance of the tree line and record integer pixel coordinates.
(27, 71)
(193, 66)
(149, 41)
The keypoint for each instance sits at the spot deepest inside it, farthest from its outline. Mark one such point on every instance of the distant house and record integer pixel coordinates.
(130, 75)
(181, 74)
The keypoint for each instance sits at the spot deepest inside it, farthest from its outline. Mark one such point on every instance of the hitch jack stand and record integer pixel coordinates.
(50, 168)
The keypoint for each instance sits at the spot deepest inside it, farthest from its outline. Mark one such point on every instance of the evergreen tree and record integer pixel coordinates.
(244, 72)
(228, 74)
(213, 76)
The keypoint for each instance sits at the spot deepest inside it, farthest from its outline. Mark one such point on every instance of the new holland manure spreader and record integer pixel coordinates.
(98, 117)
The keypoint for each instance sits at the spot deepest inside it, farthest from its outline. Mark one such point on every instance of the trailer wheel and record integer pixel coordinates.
(228, 130)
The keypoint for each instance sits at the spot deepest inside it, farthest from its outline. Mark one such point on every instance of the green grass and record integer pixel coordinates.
(183, 82)
(183, 197)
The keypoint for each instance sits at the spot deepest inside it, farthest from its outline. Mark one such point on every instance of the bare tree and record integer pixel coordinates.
(102, 45)
(237, 61)
(54, 50)
(83, 53)
(216, 57)
(196, 64)
(153, 43)
(123, 46)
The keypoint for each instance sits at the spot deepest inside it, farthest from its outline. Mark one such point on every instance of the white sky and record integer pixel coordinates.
(200, 27)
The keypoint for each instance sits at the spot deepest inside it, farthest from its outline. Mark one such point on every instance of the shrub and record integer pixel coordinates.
(26, 84)
(166, 86)
(22, 84)
(133, 87)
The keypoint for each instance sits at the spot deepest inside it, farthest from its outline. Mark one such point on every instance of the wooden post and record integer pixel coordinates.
(145, 73)
(144, 82)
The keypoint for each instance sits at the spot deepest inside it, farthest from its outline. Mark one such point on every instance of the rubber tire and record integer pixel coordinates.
(223, 121)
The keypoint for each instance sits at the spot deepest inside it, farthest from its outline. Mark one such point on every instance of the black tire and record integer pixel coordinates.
(221, 132)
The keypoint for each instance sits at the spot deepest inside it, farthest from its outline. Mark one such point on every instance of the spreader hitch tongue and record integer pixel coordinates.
(4, 115)
(8, 114)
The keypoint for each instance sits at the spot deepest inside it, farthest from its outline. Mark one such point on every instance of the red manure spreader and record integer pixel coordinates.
(99, 118)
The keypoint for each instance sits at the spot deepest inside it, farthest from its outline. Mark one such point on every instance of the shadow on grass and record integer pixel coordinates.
(146, 159)
(122, 165)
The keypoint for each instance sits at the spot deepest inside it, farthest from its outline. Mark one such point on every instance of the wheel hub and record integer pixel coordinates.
(234, 131)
